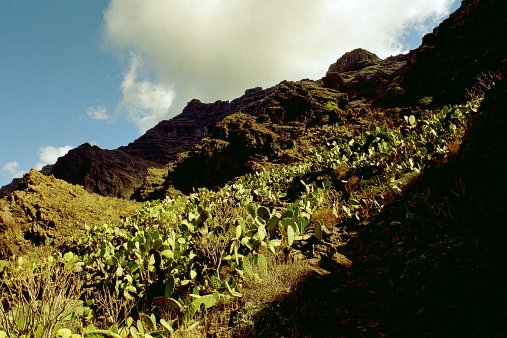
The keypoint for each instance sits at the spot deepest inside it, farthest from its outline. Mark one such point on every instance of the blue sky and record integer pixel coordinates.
(105, 71)
(54, 66)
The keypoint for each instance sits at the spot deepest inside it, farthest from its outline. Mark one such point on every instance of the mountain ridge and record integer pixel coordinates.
(359, 76)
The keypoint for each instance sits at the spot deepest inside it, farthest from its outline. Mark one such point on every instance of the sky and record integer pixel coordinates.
(104, 72)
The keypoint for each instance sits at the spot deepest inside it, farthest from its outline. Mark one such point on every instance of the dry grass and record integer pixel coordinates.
(37, 300)
(114, 309)
(484, 82)
(284, 274)
(225, 319)
(213, 247)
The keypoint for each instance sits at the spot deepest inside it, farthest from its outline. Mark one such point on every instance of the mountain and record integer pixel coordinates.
(171, 155)
(122, 171)
(467, 39)
(438, 72)
(361, 204)
(449, 60)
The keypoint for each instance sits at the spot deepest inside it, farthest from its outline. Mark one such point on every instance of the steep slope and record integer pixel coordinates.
(429, 265)
(285, 125)
(43, 210)
(438, 72)
(122, 171)
(384, 223)
(466, 44)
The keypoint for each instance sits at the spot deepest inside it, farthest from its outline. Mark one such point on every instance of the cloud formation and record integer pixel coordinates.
(49, 155)
(98, 113)
(11, 169)
(144, 102)
(215, 49)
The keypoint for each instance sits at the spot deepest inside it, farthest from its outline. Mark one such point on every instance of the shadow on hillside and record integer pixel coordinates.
(431, 265)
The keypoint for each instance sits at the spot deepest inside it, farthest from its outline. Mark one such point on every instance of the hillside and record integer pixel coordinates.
(368, 203)
(428, 264)
(44, 211)
(420, 78)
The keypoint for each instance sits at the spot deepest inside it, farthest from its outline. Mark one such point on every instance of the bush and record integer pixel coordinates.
(39, 298)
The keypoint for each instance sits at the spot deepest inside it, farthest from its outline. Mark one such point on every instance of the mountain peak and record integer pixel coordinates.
(356, 59)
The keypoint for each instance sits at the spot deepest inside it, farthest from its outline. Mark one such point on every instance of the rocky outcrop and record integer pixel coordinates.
(106, 172)
(41, 210)
(366, 79)
(354, 60)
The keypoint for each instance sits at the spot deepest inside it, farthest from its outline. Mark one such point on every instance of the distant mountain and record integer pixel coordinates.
(122, 171)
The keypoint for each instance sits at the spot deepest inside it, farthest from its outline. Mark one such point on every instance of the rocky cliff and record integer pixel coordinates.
(243, 143)
(470, 42)
(121, 172)
(448, 62)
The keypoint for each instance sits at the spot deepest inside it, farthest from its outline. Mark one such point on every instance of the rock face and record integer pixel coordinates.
(363, 76)
(161, 143)
(448, 62)
(354, 60)
(242, 142)
(121, 172)
(471, 41)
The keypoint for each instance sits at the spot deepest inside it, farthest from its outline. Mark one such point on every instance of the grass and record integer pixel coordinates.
(39, 298)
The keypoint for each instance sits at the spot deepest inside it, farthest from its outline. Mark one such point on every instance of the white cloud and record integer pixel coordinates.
(49, 155)
(11, 169)
(145, 103)
(98, 113)
(215, 49)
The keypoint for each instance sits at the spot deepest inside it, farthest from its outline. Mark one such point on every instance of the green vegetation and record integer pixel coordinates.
(426, 101)
(165, 269)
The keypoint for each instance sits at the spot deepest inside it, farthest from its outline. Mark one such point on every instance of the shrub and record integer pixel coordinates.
(39, 298)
